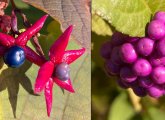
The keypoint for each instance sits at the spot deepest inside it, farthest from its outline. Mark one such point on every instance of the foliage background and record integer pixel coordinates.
(109, 102)
(17, 101)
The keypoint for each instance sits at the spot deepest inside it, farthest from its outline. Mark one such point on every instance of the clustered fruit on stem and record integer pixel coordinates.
(138, 62)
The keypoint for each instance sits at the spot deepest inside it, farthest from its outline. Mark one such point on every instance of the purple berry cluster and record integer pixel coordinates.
(139, 63)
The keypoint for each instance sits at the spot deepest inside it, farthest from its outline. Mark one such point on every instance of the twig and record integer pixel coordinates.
(13, 4)
(135, 101)
(27, 24)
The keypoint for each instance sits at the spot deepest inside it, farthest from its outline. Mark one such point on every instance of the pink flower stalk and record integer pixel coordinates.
(57, 55)
(7, 41)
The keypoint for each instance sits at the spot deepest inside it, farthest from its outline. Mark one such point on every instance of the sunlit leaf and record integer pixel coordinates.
(67, 13)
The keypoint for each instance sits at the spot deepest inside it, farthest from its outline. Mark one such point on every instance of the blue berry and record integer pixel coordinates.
(14, 57)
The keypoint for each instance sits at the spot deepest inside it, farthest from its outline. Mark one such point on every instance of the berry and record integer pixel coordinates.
(145, 46)
(127, 74)
(157, 61)
(111, 68)
(14, 57)
(160, 16)
(62, 71)
(156, 29)
(122, 84)
(118, 38)
(145, 82)
(158, 75)
(128, 53)
(142, 67)
(115, 57)
(140, 91)
(106, 49)
(160, 47)
(155, 91)
(132, 39)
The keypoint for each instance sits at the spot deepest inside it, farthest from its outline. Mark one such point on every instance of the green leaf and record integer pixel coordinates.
(121, 108)
(127, 16)
(100, 26)
(156, 114)
(156, 5)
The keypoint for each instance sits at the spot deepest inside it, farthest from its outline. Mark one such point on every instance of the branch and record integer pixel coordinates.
(27, 24)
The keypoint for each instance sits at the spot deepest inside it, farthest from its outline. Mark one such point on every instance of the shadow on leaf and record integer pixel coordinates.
(11, 78)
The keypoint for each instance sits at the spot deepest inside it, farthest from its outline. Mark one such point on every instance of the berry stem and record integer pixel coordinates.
(135, 101)
(27, 24)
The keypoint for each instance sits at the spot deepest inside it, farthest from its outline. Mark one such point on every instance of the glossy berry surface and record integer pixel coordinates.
(155, 91)
(160, 47)
(142, 67)
(156, 29)
(62, 71)
(145, 46)
(158, 75)
(14, 57)
(128, 53)
(160, 16)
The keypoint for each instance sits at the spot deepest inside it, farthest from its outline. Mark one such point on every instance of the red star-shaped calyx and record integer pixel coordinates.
(57, 55)
(8, 41)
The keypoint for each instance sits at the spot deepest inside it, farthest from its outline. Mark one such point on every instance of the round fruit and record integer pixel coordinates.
(14, 57)
(155, 91)
(127, 74)
(106, 49)
(145, 82)
(111, 68)
(142, 67)
(139, 91)
(145, 46)
(160, 47)
(156, 29)
(62, 71)
(115, 57)
(128, 53)
(158, 75)
(160, 16)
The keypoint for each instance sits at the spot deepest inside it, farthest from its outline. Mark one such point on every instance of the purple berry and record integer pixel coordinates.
(145, 82)
(127, 74)
(128, 53)
(118, 38)
(122, 84)
(156, 29)
(115, 58)
(157, 61)
(160, 46)
(160, 16)
(132, 39)
(155, 91)
(106, 49)
(142, 67)
(111, 68)
(140, 91)
(158, 75)
(145, 46)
